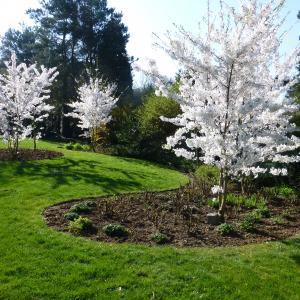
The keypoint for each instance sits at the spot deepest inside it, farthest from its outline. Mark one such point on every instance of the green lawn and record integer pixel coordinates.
(39, 263)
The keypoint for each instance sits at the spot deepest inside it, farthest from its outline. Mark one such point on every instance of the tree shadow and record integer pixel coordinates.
(110, 179)
(296, 258)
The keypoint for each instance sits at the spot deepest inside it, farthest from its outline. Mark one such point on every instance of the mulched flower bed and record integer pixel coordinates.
(183, 223)
(28, 154)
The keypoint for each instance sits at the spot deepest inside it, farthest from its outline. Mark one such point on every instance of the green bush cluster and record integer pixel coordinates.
(80, 225)
(71, 216)
(287, 193)
(249, 222)
(77, 147)
(225, 229)
(115, 230)
(213, 202)
(83, 207)
(159, 238)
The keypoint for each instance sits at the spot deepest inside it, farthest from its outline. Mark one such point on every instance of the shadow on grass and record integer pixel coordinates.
(294, 243)
(66, 171)
(296, 258)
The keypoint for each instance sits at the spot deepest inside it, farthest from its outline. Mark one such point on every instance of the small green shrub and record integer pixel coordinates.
(264, 212)
(159, 238)
(90, 203)
(86, 148)
(254, 216)
(248, 226)
(214, 202)
(287, 193)
(279, 220)
(115, 230)
(225, 229)
(268, 192)
(78, 147)
(80, 225)
(71, 216)
(83, 207)
(248, 223)
(69, 146)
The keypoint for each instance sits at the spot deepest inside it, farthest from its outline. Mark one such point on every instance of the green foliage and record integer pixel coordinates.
(254, 216)
(122, 134)
(116, 230)
(225, 229)
(279, 220)
(213, 202)
(287, 193)
(78, 147)
(82, 207)
(263, 211)
(159, 238)
(69, 146)
(154, 131)
(248, 223)
(269, 192)
(248, 226)
(80, 225)
(71, 216)
(247, 201)
(208, 174)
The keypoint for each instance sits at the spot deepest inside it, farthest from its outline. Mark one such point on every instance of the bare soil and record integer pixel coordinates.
(185, 223)
(28, 154)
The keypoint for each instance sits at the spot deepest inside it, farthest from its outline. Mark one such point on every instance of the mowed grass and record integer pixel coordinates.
(39, 263)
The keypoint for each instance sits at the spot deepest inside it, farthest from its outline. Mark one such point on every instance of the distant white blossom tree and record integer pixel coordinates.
(23, 94)
(233, 92)
(96, 100)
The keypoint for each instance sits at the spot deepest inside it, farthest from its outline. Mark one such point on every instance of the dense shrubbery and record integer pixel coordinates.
(225, 229)
(80, 225)
(115, 230)
(139, 132)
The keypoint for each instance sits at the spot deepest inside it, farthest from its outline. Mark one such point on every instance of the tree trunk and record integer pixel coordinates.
(61, 124)
(34, 143)
(224, 196)
(243, 185)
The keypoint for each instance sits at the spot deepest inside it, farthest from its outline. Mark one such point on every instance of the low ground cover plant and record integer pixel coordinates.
(116, 230)
(80, 225)
(225, 229)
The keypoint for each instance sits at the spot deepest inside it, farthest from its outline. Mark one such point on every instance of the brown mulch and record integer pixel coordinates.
(28, 154)
(146, 213)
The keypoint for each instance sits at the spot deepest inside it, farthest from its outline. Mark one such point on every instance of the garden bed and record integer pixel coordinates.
(28, 154)
(152, 218)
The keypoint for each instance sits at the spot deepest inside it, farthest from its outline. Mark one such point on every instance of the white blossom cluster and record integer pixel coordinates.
(96, 102)
(216, 189)
(23, 94)
(232, 90)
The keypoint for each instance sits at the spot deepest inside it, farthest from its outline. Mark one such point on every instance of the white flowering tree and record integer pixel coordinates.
(233, 92)
(23, 94)
(96, 100)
